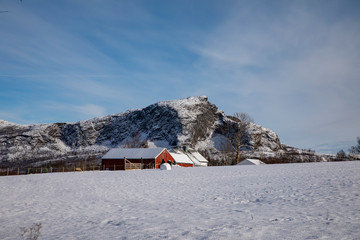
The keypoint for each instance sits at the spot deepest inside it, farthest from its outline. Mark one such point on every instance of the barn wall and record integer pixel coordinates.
(185, 164)
(163, 155)
(118, 164)
(113, 164)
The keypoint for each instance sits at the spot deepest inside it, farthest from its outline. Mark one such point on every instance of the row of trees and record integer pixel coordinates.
(352, 150)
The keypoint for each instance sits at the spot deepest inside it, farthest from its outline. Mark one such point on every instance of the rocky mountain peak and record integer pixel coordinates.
(192, 121)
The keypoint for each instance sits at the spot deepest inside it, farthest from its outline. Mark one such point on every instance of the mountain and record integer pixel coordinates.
(193, 121)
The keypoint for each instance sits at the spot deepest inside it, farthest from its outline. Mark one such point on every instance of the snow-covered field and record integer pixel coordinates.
(293, 201)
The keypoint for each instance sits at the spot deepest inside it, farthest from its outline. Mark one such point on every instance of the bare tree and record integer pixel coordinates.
(241, 134)
(355, 149)
(236, 132)
(340, 155)
(244, 117)
(227, 152)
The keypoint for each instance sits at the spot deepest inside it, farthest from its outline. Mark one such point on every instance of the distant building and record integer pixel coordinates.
(250, 162)
(135, 158)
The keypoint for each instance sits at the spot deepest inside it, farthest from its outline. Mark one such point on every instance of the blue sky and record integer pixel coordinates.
(294, 66)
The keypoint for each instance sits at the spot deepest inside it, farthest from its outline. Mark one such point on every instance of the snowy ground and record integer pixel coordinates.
(293, 201)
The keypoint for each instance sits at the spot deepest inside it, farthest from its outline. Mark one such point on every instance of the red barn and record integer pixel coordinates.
(135, 158)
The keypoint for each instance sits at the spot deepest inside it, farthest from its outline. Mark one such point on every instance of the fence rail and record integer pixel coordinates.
(132, 166)
(39, 170)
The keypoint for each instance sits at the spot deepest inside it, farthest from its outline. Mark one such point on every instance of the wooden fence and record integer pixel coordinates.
(73, 167)
(39, 170)
(132, 166)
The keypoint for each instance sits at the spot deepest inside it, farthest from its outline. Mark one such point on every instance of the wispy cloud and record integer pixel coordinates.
(13, 116)
(90, 110)
(292, 65)
(79, 112)
(296, 70)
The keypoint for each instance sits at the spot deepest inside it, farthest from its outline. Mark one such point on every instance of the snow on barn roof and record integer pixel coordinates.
(181, 157)
(192, 157)
(199, 157)
(250, 162)
(133, 153)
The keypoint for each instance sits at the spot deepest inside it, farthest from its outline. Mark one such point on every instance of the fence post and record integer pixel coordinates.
(7, 171)
(63, 169)
(18, 171)
(51, 169)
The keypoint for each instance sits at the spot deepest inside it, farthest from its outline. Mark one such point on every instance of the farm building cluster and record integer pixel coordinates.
(150, 158)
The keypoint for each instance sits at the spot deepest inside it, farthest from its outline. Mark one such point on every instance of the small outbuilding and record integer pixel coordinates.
(250, 162)
(135, 158)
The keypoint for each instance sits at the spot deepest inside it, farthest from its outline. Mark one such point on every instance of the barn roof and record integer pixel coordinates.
(181, 157)
(251, 162)
(133, 153)
(199, 157)
(193, 159)
(190, 157)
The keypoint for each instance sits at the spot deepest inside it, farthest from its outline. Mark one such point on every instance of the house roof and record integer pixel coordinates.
(133, 153)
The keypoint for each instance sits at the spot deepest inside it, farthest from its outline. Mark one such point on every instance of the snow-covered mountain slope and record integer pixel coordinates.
(192, 121)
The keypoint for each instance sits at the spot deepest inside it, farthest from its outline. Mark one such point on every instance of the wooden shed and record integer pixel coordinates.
(135, 158)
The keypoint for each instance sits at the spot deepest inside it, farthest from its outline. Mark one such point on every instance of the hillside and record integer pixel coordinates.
(193, 121)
